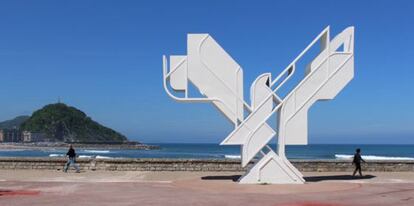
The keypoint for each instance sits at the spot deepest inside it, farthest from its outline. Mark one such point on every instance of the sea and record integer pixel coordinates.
(215, 151)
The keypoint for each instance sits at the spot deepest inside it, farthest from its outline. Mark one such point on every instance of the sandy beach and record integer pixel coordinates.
(35, 187)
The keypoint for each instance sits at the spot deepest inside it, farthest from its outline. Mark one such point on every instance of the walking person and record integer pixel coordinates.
(357, 161)
(71, 160)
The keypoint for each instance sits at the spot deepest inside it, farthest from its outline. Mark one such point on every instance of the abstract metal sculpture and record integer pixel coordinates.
(220, 80)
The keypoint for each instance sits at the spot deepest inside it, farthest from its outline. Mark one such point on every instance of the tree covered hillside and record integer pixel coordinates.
(60, 122)
(13, 123)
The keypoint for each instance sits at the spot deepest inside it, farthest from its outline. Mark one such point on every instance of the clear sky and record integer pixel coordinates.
(104, 57)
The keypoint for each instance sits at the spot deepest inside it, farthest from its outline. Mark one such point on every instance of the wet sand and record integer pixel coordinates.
(35, 187)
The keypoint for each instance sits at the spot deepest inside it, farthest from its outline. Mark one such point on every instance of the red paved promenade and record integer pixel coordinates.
(30, 187)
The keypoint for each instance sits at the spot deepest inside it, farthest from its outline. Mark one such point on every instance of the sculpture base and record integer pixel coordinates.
(272, 169)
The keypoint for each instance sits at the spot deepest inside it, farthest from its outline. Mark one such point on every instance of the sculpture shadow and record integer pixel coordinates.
(233, 178)
(337, 177)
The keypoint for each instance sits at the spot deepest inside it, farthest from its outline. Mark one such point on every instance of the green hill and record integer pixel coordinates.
(13, 123)
(60, 122)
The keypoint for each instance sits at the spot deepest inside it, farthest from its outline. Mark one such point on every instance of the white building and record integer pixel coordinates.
(33, 136)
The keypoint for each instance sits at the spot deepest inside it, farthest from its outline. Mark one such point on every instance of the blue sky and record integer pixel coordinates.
(104, 57)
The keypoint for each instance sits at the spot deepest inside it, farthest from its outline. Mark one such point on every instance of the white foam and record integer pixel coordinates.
(232, 156)
(82, 156)
(97, 151)
(85, 156)
(56, 155)
(102, 157)
(372, 157)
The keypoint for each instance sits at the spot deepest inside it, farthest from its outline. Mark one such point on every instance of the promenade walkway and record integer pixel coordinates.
(34, 187)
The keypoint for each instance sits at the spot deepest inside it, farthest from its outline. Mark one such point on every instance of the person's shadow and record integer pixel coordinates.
(337, 177)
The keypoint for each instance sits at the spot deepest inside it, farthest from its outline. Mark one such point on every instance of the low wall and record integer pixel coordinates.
(195, 165)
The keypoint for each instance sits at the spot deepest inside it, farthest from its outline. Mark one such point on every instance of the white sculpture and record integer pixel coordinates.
(220, 80)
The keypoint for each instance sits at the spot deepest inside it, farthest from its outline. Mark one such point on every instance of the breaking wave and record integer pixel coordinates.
(56, 155)
(372, 157)
(232, 156)
(97, 151)
(82, 156)
(85, 156)
(102, 157)
(62, 155)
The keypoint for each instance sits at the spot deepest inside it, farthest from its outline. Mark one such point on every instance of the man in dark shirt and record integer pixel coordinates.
(357, 161)
(71, 160)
